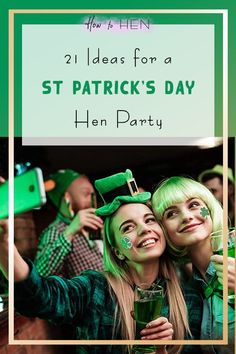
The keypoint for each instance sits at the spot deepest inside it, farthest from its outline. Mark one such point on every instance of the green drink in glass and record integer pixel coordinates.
(231, 252)
(217, 242)
(217, 248)
(147, 307)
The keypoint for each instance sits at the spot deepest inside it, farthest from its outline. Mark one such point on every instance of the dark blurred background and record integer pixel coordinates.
(149, 164)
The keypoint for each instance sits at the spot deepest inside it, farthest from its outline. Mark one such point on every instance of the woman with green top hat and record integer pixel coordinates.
(193, 222)
(101, 304)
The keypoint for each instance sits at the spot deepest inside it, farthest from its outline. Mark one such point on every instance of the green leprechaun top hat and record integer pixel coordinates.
(118, 189)
(217, 170)
(59, 182)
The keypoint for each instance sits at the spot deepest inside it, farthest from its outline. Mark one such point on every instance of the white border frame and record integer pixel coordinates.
(11, 339)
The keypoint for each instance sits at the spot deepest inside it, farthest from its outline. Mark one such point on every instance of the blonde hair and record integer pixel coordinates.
(121, 288)
(178, 189)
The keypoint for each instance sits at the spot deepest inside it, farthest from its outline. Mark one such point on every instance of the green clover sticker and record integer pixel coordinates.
(126, 243)
(204, 212)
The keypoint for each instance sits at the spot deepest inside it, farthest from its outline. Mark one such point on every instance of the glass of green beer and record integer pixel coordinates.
(148, 302)
(217, 240)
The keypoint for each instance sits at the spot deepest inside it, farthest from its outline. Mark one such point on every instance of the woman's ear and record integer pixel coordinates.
(118, 254)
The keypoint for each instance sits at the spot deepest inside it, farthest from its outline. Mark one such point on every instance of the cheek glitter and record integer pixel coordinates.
(126, 243)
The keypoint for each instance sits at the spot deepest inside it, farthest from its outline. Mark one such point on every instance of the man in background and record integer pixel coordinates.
(213, 180)
(65, 247)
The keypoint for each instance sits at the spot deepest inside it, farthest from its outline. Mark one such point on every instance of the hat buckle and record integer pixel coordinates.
(132, 185)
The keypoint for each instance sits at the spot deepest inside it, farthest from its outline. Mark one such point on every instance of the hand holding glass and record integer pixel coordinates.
(217, 242)
(217, 248)
(147, 307)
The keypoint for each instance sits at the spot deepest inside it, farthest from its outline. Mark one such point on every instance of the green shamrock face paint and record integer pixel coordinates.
(204, 212)
(126, 243)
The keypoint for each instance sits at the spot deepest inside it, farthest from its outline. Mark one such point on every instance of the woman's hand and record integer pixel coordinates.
(21, 268)
(218, 264)
(160, 329)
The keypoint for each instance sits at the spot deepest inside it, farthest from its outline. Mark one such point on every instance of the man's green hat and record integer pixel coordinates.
(119, 189)
(217, 170)
(59, 182)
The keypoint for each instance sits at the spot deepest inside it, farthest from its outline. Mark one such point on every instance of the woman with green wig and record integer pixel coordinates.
(190, 215)
(100, 304)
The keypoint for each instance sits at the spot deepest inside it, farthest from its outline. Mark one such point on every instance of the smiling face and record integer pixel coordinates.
(136, 223)
(188, 222)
